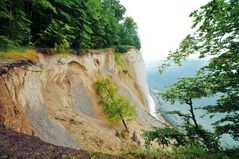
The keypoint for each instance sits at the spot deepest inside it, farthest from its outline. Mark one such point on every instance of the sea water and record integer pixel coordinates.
(157, 82)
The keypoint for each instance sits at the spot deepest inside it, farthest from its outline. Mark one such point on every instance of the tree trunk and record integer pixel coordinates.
(125, 125)
(192, 113)
(206, 139)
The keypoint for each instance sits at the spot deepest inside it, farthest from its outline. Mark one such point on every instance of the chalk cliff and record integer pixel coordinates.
(55, 98)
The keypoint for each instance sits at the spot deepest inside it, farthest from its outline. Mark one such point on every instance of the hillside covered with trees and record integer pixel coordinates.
(62, 24)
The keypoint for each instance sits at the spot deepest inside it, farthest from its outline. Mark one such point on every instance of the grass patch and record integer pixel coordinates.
(120, 62)
(63, 55)
(184, 152)
(19, 54)
(144, 153)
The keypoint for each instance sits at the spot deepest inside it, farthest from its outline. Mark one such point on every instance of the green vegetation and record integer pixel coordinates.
(128, 35)
(123, 48)
(184, 91)
(164, 137)
(217, 35)
(19, 54)
(76, 24)
(115, 106)
(63, 55)
(120, 62)
(183, 152)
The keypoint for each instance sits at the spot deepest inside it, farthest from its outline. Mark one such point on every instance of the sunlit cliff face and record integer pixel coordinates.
(55, 99)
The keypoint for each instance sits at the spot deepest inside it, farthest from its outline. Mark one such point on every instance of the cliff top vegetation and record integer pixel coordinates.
(75, 24)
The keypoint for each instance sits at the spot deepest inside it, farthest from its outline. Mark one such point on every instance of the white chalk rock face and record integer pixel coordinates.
(141, 77)
(55, 99)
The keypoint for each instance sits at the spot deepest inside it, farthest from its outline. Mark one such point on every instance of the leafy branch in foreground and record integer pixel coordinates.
(217, 34)
(184, 91)
(115, 106)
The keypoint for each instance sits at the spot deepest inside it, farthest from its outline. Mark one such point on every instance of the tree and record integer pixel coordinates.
(114, 105)
(115, 7)
(217, 31)
(185, 91)
(129, 33)
(95, 14)
(62, 24)
(112, 13)
(60, 33)
(14, 22)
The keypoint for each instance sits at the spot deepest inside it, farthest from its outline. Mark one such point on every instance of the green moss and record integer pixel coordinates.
(120, 62)
(63, 55)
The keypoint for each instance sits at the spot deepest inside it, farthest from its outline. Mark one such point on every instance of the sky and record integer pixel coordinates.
(162, 24)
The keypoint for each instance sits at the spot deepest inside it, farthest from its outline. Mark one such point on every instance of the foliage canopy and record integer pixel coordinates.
(217, 34)
(77, 24)
(115, 106)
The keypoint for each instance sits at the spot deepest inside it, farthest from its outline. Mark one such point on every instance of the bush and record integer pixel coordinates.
(145, 153)
(115, 106)
(120, 62)
(182, 152)
(123, 48)
(188, 136)
(6, 43)
(165, 136)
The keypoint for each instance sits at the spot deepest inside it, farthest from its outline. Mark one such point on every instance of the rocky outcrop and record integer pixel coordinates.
(55, 99)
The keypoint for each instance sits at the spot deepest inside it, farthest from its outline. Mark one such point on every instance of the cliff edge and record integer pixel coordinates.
(55, 99)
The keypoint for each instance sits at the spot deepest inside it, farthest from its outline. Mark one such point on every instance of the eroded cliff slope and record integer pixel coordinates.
(55, 98)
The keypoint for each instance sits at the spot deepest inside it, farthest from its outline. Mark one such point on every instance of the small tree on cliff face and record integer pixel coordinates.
(114, 105)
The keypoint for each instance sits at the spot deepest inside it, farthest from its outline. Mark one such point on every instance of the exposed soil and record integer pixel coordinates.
(10, 65)
(15, 145)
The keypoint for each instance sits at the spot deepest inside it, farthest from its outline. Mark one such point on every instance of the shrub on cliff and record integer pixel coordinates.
(115, 106)
(165, 136)
(120, 62)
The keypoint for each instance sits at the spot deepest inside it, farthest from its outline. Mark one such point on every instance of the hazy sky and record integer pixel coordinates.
(162, 23)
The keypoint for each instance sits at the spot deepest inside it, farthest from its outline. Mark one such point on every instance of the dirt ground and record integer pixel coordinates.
(16, 146)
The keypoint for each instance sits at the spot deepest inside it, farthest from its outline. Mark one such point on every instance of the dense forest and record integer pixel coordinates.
(62, 24)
